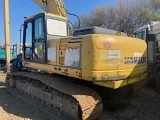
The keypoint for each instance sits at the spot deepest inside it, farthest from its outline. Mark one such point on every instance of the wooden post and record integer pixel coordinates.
(7, 33)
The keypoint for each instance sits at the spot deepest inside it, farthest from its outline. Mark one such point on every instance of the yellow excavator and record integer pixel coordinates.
(92, 56)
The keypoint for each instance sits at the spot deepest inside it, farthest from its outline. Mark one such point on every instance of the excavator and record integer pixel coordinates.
(92, 56)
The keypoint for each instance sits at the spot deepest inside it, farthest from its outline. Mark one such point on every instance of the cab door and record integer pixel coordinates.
(39, 40)
(34, 41)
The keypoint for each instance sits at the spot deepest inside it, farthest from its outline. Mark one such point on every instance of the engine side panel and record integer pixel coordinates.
(96, 58)
(107, 57)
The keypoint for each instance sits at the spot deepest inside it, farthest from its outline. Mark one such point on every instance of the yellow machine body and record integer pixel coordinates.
(103, 57)
(108, 60)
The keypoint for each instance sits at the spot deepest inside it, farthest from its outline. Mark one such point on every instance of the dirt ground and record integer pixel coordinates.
(12, 108)
(145, 106)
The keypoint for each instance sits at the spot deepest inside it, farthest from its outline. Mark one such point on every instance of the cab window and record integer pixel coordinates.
(141, 34)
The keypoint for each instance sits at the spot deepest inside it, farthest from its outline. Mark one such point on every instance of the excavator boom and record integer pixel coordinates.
(52, 6)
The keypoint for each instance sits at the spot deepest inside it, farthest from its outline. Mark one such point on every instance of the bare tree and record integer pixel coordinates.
(154, 9)
(126, 15)
(98, 16)
(155, 5)
(95, 18)
(110, 17)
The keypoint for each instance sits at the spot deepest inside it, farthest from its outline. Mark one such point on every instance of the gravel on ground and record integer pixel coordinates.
(12, 108)
(144, 106)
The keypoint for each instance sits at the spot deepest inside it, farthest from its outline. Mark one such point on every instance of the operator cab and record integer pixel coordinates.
(37, 30)
(151, 34)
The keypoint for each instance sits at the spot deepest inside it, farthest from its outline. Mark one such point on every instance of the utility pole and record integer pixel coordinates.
(20, 30)
(7, 33)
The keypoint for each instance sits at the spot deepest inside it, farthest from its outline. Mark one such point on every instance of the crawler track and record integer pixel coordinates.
(76, 101)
